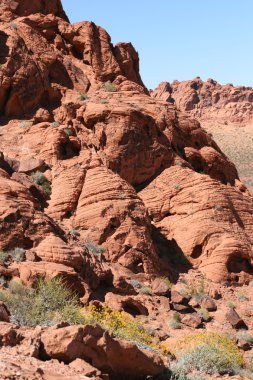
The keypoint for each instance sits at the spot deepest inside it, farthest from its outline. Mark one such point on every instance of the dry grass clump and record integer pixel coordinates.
(109, 87)
(51, 302)
(39, 178)
(206, 352)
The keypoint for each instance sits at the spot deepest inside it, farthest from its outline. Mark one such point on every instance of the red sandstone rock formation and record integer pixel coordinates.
(84, 352)
(128, 188)
(209, 101)
(106, 148)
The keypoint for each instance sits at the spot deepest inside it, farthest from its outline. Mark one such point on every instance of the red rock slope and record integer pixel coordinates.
(138, 189)
(209, 101)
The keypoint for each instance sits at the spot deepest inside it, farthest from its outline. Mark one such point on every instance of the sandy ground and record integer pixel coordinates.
(237, 143)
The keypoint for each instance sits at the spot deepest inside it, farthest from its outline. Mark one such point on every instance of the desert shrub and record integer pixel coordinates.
(50, 302)
(55, 124)
(120, 324)
(68, 132)
(244, 335)
(145, 290)
(175, 322)
(74, 233)
(179, 373)
(177, 317)
(185, 292)
(247, 374)
(208, 352)
(4, 256)
(242, 297)
(196, 376)
(24, 124)
(218, 207)
(135, 284)
(109, 87)
(167, 282)
(196, 289)
(104, 101)
(3, 281)
(175, 325)
(83, 96)
(93, 248)
(204, 314)
(231, 305)
(39, 178)
(13, 25)
(17, 254)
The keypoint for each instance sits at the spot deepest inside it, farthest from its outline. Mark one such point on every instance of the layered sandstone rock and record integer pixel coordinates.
(84, 352)
(132, 177)
(16, 8)
(209, 101)
(112, 190)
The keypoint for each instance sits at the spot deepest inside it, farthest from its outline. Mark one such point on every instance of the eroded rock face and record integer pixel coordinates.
(82, 350)
(111, 189)
(209, 101)
(25, 7)
(185, 205)
(130, 176)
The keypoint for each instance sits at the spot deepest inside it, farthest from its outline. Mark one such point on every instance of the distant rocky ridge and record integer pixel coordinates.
(209, 101)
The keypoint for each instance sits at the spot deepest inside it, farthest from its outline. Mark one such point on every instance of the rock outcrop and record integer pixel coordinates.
(84, 352)
(124, 171)
(209, 101)
(107, 187)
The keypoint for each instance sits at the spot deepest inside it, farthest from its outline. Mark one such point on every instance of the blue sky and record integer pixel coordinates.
(179, 39)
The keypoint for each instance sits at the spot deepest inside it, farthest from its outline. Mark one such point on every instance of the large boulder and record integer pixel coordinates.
(91, 343)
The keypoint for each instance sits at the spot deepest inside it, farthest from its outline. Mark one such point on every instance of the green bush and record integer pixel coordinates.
(83, 96)
(244, 335)
(242, 297)
(17, 254)
(51, 302)
(167, 282)
(204, 314)
(146, 290)
(109, 87)
(135, 284)
(175, 322)
(93, 248)
(68, 131)
(74, 233)
(231, 305)
(207, 359)
(104, 101)
(4, 256)
(175, 325)
(13, 25)
(178, 373)
(39, 178)
(207, 352)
